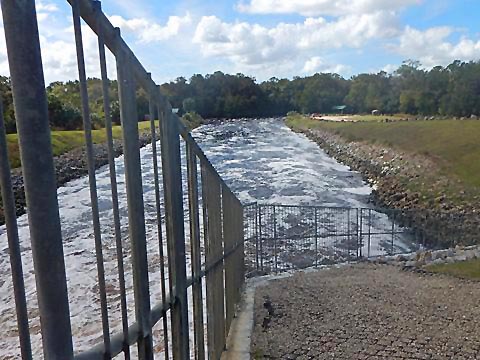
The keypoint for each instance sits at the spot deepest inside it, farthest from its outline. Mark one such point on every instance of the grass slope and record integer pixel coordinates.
(455, 145)
(64, 141)
(465, 269)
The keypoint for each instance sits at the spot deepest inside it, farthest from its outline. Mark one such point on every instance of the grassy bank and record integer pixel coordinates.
(466, 269)
(453, 144)
(64, 141)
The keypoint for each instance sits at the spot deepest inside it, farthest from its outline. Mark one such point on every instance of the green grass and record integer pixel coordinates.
(465, 269)
(370, 117)
(64, 141)
(454, 145)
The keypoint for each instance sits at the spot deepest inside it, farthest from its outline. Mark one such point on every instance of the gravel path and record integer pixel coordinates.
(367, 311)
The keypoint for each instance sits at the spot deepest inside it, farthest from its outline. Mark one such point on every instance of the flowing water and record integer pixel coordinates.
(262, 160)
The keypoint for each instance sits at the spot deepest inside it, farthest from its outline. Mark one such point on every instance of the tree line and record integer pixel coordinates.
(453, 90)
(64, 104)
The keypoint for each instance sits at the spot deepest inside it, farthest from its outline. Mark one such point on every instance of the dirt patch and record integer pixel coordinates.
(367, 311)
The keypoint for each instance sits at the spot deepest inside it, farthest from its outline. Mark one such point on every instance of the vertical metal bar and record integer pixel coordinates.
(136, 216)
(256, 238)
(260, 235)
(369, 230)
(113, 182)
(349, 236)
(172, 180)
(214, 276)
(229, 238)
(357, 241)
(275, 238)
(393, 232)
(316, 237)
(91, 176)
(158, 208)
(240, 267)
(13, 244)
(360, 234)
(196, 254)
(30, 101)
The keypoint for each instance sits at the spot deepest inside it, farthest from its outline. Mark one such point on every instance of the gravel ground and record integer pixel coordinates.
(367, 311)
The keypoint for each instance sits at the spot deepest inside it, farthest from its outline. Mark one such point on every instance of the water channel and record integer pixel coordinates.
(261, 160)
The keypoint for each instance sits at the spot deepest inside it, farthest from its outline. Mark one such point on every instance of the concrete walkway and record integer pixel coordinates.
(367, 311)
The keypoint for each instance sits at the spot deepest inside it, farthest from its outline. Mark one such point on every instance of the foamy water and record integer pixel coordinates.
(261, 160)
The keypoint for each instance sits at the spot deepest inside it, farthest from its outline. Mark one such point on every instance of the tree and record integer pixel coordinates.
(188, 105)
(7, 102)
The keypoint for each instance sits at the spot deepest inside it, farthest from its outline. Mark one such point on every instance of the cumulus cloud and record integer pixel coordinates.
(317, 64)
(322, 7)
(57, 43)
(148, 31)
(390, 68)
(46, 7)
(432, 47)
(59, 56)
(252, 44)
(283, 49)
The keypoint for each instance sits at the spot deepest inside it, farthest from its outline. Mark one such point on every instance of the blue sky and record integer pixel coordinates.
(265, 38)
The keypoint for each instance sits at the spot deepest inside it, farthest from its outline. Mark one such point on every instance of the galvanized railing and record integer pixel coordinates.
(288, 237)
(214, 216)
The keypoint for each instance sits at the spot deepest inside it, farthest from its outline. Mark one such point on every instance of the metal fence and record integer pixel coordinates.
(287, 237)
(200, 262)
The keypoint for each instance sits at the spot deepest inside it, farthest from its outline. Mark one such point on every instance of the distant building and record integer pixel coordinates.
(340, 108)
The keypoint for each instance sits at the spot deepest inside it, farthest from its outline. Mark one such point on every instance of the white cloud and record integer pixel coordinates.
(316, 64)
(59, 56)
(46, 7)
(322, 7)
(4, 69)
(147, 31)
(254, 44)
(390, 68)
(251, 47)
(57, 43)
(432, 47)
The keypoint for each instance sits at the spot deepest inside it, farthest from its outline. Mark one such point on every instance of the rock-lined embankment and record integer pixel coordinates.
(436, 205)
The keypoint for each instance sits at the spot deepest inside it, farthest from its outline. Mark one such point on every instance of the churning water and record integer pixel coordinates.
(262, 160)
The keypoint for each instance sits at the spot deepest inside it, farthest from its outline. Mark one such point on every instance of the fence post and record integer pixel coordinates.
(229, 239)
(214, 264)
(260, 235)
(90, 157)
(14, 250)
(134, 189)
(198, 322)
(349, 236)
(256, 237)
(369, 231)
(316, 237)
(30, 101)
(113, 180)
(393, 232)
(360, 234)
(172, 187)
(240, 267)
(275, 239)
(153, 110)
